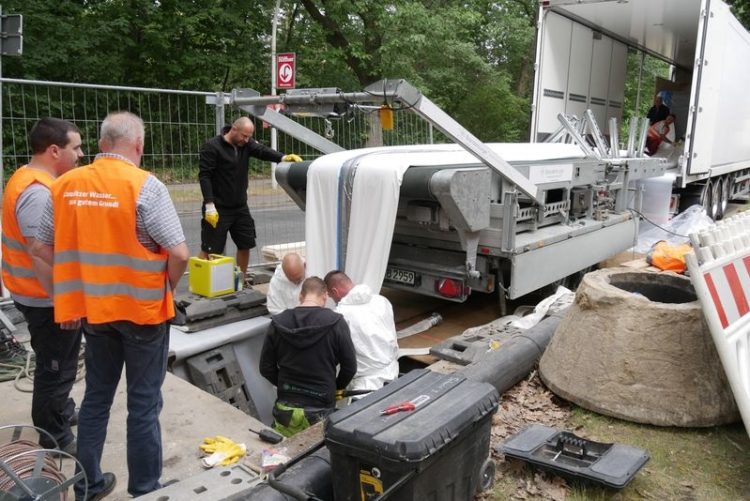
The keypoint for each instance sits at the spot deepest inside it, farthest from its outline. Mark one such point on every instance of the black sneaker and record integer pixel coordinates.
(110, 481)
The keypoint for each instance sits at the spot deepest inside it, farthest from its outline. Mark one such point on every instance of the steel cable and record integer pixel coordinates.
(20, 457)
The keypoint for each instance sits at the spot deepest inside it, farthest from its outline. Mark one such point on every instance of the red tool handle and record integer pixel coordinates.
(393, 409)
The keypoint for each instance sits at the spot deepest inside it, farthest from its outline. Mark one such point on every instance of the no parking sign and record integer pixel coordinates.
(285, 70)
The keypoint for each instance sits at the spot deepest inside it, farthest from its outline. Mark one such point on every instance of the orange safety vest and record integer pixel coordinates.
(101, 271)
(18, 275)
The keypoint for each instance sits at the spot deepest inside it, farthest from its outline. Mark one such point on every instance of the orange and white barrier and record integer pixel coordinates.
(719, 268)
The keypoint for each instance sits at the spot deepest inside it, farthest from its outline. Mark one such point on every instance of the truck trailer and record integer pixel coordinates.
(581, 63)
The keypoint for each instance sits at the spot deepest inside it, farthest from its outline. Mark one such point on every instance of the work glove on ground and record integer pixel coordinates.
(212, 215)
(291, 158)
(222, 451)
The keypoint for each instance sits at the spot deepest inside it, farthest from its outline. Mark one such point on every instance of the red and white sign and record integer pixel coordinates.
(722, 282)
(286, 69)
(728, 286)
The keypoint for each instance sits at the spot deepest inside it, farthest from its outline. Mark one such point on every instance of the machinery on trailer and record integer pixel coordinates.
(481, 222)
(582, 55)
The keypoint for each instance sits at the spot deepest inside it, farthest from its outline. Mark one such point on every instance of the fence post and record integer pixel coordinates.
(219, 112)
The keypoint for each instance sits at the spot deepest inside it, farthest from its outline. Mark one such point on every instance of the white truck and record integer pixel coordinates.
(582, 55)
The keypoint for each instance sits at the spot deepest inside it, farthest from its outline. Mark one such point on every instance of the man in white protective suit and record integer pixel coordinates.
(284, 289)
(373, 330)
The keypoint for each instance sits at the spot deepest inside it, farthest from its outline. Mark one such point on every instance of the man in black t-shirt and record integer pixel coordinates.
(223, 177)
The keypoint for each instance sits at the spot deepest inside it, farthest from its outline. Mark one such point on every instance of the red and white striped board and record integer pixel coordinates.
(719, 269)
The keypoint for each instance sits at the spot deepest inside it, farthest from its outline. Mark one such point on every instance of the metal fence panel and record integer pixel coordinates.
(177, 124)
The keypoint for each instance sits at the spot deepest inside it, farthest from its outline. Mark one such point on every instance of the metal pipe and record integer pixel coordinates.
(614, 139)
(632, 131)
(642, 137)
(105, 87)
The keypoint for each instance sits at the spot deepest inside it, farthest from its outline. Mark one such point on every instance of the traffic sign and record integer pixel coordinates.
(286, 70)
(11, 34)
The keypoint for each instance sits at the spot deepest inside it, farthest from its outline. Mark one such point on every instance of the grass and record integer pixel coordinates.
(686, 463)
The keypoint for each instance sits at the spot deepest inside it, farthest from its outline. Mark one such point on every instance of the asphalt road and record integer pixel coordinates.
(273, 225)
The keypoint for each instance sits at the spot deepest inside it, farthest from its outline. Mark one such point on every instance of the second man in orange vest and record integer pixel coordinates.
(119, 251)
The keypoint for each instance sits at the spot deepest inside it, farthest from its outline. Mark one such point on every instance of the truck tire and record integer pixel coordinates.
(712, 199)
(726, 192)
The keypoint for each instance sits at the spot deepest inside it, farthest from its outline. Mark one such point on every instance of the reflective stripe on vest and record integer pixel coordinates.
(102, 290)
(17, 270)
(105, 275)
(112, 259)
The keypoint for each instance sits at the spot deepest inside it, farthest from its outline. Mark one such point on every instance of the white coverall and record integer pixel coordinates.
(282, 293)
(373, 331)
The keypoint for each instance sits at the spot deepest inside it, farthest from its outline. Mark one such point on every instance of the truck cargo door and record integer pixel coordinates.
(577, 68)
(718, 124)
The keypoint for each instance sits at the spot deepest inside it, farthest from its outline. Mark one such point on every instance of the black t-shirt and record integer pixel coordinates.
(223, 170)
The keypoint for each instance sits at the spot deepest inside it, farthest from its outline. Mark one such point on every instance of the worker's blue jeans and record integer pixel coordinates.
(143, 351)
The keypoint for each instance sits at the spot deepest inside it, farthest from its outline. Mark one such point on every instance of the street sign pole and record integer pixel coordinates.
(274, 133)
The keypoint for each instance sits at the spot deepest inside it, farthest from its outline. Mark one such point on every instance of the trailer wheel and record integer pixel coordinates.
(486, 476)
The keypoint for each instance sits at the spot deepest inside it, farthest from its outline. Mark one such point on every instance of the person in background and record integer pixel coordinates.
(55, 149)
(373, 330)
(660, 132)
(658, 112)
(117, 251)
(223, 177)
(302, 349)
(285, 285)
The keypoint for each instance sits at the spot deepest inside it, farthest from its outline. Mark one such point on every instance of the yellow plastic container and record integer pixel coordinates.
(211, 277)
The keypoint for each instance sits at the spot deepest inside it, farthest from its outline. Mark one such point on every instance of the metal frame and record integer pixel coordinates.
(411, 99)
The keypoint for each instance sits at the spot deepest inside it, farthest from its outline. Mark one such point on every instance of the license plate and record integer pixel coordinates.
(401, 276)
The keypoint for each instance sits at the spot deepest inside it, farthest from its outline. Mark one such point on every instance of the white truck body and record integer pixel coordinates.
(582, 52)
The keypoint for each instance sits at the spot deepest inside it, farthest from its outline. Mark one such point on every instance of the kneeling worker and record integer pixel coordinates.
(284, 288)
(303, 346)
(372, 327)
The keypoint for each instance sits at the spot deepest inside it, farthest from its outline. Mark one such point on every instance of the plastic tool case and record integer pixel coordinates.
(438, 451)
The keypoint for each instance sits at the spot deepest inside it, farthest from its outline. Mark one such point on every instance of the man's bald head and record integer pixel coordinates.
(338, 284)
(241, 132)
(293, 267)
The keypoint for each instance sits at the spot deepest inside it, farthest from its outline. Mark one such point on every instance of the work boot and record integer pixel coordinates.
(71, 448)
(74, 418)
(110, 481)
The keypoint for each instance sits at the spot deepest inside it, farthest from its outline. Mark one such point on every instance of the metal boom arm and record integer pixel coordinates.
(389, 90)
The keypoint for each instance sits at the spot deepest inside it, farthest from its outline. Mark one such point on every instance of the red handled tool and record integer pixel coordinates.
(393, 409)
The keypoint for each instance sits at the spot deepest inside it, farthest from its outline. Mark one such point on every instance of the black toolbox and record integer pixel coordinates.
(438, 451)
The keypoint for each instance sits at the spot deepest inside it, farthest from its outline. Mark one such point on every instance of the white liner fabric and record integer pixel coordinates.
(375, 194)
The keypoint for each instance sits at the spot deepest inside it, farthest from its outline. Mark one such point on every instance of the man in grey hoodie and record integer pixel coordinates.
(303, 347)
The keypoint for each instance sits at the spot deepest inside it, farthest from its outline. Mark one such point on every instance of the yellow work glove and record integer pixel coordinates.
(291, 158)
(222, 451)
(212, 215)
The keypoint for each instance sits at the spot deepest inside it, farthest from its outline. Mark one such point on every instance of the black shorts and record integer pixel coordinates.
(238, 222)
